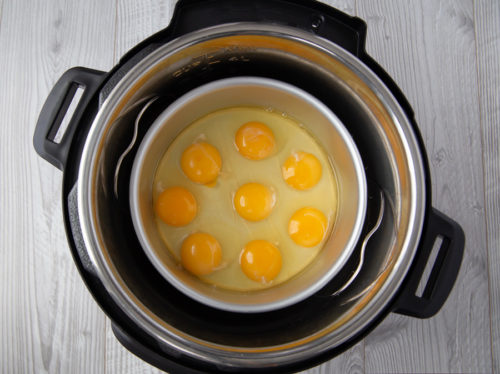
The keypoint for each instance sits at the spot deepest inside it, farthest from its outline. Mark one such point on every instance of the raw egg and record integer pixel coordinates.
(255, 140)
(176, 206)
(260, 260)
(301, 170)
(201, 253)
(201, 162)
(307, 227)
(250, 200)
(254, 201)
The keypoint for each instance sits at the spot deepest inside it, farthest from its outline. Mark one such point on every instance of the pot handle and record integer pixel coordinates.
(55, 108)
(321, 19)
(444, 270)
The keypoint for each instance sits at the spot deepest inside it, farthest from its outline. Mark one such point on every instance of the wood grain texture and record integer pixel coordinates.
(487, 14)
(351, 361)
(48, 320)
(428, 47)
(445, 56)
(1, 8)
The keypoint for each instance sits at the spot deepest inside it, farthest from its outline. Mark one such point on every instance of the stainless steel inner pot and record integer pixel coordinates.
(372, 116)
(329, 133)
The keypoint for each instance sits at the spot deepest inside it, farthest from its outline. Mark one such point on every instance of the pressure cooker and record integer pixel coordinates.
(303, 44)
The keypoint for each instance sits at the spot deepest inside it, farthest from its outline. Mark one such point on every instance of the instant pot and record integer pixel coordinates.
(304, 44)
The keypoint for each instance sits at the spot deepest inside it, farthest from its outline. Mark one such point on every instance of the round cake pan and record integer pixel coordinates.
(324, 126)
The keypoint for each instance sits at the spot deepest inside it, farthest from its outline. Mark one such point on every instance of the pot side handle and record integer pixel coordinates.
(55, 108)
(444, 270)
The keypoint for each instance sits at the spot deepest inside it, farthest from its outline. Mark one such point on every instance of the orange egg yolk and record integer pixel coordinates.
(201, 163)
(260, 261)
(201, 253)
(307, 227)
(176, 206)
(255, 141)
(301, 170)
(254, 201)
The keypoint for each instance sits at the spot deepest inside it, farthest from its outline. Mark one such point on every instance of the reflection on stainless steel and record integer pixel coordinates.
(151, 99)
(363, 247)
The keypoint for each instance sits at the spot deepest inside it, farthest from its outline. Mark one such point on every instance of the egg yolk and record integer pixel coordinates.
(201, 163)
(255, 141)
(176, 206)
(307, 227)
(201, 253)
(254, 201)
(260, 261)
(301, 170)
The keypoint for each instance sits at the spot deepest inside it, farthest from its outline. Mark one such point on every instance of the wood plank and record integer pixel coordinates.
(48, 320)
(487, 16)
(135, 21)
(1, 12)
(429, 49)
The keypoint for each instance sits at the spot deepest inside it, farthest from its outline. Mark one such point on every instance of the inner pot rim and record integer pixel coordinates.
(214, 353)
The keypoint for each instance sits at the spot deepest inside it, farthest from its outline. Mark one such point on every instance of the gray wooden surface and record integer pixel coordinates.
(445, 56)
